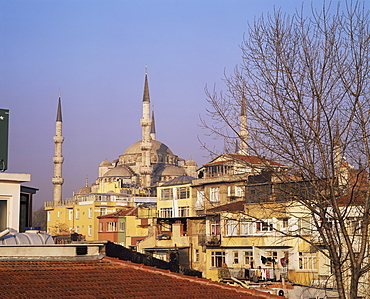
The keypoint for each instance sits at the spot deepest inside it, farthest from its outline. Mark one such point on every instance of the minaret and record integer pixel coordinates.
(243, 133)
(58, 157)
(146, 169)
(152, 128)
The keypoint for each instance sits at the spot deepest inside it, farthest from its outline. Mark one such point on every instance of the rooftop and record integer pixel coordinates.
(107, 278)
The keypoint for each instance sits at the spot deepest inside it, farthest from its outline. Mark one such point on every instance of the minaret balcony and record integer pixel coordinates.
(58, 159)
(58, 139)
(145, 122)
(57, 181)
(146, 169)
(146, 146)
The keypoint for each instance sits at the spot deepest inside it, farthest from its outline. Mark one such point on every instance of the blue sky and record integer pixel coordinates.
(95, 52)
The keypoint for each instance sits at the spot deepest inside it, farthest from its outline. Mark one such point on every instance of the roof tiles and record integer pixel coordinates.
(107, 278)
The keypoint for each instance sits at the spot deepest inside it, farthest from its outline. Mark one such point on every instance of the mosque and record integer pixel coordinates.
(145, 164)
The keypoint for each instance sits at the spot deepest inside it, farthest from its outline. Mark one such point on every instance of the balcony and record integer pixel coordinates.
(210, 241)
(255, 275)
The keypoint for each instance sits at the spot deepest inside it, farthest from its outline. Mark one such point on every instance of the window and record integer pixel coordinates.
(196, 255)
(78, 214)
(214, 194)
(215, 228)
(235, 257)
(247, 227)
(121, 227)
(58, 214)
(183, 192)
(284, 223)
(228, 190)
(90, 213)
(77, 229)
(264, 226)
(165, 212)
(354, 226)
(271, 258)
(100, 226)
(200, 199)
(239, 191)
(103, 211)
(231, 227)
(167, 194)
(183, 211)
(111, 226)
(307, 261)
(248, 258)
(217, 259)
(304, 226)
(48, 216)
(70, 214)
(89, 230)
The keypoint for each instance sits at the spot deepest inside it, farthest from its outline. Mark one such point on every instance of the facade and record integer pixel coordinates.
(127, 227)
(175, 207)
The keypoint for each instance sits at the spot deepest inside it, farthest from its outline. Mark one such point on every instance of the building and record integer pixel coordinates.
(128, 226)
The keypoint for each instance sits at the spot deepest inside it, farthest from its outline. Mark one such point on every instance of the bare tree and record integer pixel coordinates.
(304, 83)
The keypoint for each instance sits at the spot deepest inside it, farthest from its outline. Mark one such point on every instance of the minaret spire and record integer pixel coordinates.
(58, 157)
(146, 169)
(152, 128)
(243, 133)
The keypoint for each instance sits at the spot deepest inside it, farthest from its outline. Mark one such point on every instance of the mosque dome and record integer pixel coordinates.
(158, 148)
(119, 171)
(105, 163)
(83, 190)
(171, 170)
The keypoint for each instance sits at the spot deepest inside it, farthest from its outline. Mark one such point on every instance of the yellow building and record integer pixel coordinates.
(175, 208)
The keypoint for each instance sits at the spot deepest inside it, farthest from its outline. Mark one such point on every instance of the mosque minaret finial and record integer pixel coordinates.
(146, 140)
(58, 157)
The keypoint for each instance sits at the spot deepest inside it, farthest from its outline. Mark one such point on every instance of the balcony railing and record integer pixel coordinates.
(255, 275)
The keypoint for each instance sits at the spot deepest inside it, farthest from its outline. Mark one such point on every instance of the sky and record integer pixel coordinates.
(95, 53)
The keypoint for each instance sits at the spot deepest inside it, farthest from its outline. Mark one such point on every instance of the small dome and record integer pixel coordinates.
(119, 171)
(157, 148)
(191, 162)
(105, 163)
(171, 170)
(181, 180)
(83, 190)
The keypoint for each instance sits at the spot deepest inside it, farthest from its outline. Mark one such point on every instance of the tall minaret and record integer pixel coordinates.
(146, 169)
(243, 133)
(58, 158)
(152, 128)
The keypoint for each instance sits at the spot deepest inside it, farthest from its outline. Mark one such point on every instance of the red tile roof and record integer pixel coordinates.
(107, 278)
(230, 207)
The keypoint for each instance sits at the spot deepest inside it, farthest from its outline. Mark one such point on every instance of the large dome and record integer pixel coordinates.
(118, 171)
(158, 148)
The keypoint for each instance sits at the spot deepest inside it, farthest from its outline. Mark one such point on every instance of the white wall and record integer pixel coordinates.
(10, 189)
